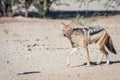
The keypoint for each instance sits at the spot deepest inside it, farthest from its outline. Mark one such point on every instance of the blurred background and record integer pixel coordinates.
(58, 8)
(32, 45)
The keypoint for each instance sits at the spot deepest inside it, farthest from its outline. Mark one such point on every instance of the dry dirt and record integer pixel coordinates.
(34, 49)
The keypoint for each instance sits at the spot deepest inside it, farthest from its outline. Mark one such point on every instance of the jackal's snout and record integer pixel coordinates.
(65, 35)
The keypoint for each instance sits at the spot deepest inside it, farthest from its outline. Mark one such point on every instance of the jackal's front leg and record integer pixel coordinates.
(87, 56)
(68, 55)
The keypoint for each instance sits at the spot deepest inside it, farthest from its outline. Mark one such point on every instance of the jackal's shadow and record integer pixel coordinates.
(94, 63)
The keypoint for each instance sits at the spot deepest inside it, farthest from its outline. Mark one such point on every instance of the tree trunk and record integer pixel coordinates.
(9, 9)
(26, 12)
(26, 8)
(3, 8)
(48, 4)
(27, 5)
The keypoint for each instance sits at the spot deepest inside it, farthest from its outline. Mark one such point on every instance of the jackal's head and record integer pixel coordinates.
(67, 28)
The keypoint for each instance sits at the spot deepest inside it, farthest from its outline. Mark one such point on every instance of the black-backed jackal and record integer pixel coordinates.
(84, 36)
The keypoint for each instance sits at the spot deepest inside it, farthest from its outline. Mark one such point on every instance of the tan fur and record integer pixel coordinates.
(79, 38)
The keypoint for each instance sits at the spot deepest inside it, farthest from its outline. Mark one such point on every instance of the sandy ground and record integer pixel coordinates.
(34, 49)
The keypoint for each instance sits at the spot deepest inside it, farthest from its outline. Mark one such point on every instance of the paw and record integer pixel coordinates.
(88, 65)
(68, 64)
(98, 63)
(108, 63)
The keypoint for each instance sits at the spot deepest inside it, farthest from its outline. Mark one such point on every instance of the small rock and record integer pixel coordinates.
(34, 45)
(37, 39)
(29, 49)
(43, 44)
(28, 45)
(8, 62)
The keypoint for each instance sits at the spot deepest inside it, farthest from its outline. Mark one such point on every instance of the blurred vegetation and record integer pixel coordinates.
(43, 6)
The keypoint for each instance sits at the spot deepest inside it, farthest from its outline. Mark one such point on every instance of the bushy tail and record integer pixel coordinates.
(110, 45)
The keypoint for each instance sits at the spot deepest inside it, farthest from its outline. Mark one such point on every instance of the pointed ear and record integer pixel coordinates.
(72, 23)
(63, 23)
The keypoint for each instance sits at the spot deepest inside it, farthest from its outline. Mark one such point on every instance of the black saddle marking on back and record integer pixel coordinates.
(91, 30)
(94, 30)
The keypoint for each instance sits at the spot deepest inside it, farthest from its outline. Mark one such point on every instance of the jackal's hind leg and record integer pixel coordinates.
(101, 44)
(101, 57)
(107, 58)
(68, 55)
